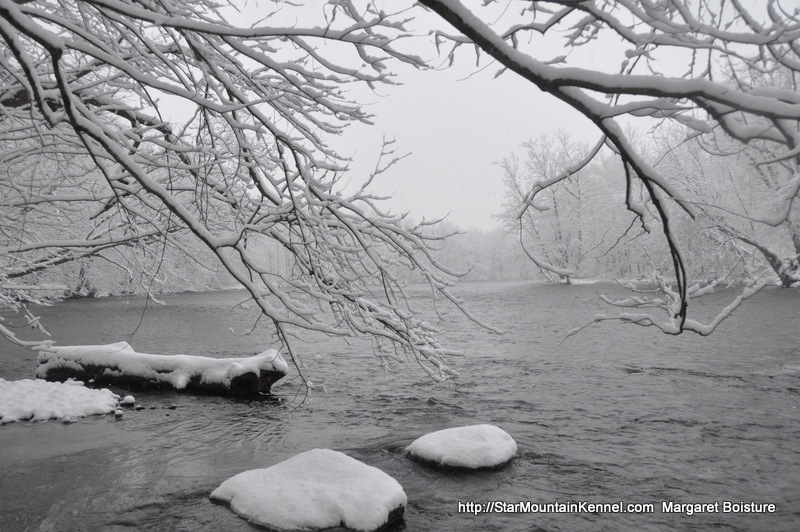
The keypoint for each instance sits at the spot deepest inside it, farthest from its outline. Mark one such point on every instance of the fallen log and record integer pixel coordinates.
(119, 365)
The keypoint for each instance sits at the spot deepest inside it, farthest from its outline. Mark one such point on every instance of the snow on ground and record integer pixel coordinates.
(316, 489)
(37, 400)
(471, 447)
(176, 370)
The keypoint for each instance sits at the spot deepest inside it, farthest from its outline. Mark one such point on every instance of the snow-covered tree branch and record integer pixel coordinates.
(126, 122)
(697, 64)
(129, 127)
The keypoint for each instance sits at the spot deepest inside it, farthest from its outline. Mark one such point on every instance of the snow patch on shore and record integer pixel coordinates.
(38, 400)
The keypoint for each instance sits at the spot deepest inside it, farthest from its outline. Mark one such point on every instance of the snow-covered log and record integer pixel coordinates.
(119, 365)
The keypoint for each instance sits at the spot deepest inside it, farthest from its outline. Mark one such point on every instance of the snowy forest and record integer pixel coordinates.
(691, 182)
(579, 231)
(574, 230)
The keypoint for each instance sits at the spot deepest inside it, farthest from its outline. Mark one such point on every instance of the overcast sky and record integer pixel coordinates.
(453, 123)
(456, 123)
(454, 130)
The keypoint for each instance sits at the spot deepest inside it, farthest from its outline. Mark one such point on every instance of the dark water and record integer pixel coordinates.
(706, 420)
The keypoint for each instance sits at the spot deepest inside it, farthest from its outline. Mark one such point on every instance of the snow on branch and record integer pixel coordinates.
(167, 121)
(667, 300)
(741, 81)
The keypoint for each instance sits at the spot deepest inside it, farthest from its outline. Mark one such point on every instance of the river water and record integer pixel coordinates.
(705, 420)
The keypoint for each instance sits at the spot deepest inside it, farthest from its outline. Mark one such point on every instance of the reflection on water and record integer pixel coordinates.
(616, 413)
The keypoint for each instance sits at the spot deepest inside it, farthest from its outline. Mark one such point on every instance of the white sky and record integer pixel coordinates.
(455, 123)
(456, 126)
(454, 130)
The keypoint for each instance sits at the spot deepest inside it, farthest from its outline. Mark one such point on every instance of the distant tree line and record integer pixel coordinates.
(579, 228)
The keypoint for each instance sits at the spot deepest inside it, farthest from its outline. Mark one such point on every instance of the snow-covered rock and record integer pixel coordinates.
(37, 400)
(473, 447)
(119, 364)
(316, 489)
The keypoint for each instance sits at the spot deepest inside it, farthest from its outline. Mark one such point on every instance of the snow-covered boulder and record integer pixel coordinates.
(118, 364)
(473, 447)
(128, 400)
(315, 490)
(37, 400)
